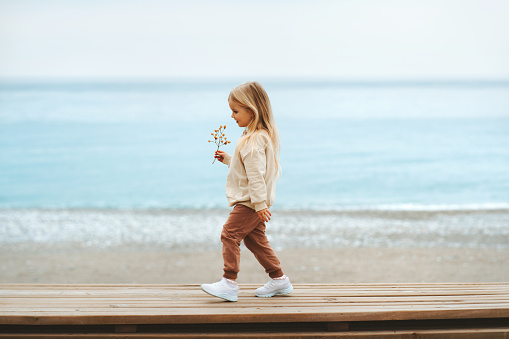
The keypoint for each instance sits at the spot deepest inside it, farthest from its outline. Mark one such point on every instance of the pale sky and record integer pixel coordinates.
(357, 39)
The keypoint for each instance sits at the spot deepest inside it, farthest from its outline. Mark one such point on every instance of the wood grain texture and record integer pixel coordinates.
(187, 304)
(311, 311)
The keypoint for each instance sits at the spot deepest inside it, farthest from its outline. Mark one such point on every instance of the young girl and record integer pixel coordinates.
(251, 189)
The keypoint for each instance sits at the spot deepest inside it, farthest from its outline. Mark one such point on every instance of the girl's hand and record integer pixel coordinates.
(220, 155)
(264, 215)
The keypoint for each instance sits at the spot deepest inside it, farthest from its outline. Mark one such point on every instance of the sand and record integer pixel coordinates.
(122, 265)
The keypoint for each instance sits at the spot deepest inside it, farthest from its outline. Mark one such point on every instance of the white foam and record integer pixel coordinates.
(178, 230)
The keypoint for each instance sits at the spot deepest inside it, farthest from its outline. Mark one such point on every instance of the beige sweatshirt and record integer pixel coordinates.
(251, 177)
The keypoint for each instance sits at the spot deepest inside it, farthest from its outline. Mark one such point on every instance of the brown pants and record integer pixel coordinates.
(244, 224)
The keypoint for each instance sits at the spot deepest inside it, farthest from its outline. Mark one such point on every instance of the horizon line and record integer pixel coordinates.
(273, 80)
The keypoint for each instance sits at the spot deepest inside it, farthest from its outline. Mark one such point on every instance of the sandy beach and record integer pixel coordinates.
(345, 265)
(183, 247)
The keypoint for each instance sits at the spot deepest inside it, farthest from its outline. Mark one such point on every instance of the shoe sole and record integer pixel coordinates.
(282, 292)
(226, 297)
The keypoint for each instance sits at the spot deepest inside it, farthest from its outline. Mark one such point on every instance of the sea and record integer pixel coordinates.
(77, 157)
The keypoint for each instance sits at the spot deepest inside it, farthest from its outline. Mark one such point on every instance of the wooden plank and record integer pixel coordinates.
(81, 318)
(76, 290)
(250, 297)
(79, 289)
(324, 294)
(396, 334)
(252, 310)
(299, 290)
(302, 286)
(245, 300)
(311, 309)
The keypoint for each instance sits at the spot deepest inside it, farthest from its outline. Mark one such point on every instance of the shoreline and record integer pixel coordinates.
(199, 230)
(183, 247)
(381, 209)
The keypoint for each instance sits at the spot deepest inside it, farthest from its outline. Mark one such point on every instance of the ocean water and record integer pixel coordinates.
(139, 145)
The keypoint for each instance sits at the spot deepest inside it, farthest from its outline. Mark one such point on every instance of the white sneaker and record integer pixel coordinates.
(273, 287)
(222, 289)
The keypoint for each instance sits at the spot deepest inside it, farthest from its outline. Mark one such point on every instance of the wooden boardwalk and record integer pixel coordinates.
(311, 311)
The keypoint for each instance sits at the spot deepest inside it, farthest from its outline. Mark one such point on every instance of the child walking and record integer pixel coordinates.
(250, 189)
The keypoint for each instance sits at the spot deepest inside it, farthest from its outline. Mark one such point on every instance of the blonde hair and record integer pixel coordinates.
(252, 96)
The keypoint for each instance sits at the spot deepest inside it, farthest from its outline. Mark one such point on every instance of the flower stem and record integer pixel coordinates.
(215, 157)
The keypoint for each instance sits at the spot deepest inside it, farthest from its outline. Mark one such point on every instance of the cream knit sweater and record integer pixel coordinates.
(251, 177)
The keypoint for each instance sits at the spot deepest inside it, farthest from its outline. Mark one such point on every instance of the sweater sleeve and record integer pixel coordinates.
(227, 159)
(255, 164)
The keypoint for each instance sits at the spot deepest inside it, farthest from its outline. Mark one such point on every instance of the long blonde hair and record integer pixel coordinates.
(252, 96)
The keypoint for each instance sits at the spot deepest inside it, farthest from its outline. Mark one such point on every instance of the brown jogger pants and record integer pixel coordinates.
(244, 224)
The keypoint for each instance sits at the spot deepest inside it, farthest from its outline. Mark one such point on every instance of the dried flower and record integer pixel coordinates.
(219, 137)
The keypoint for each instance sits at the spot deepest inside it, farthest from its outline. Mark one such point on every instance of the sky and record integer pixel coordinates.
(340, 39)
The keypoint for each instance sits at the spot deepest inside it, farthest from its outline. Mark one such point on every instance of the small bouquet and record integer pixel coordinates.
(219, 138)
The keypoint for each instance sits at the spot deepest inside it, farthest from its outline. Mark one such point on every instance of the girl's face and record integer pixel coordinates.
(241, 114)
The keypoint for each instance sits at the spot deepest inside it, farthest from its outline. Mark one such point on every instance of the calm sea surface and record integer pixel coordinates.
(344, 145)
